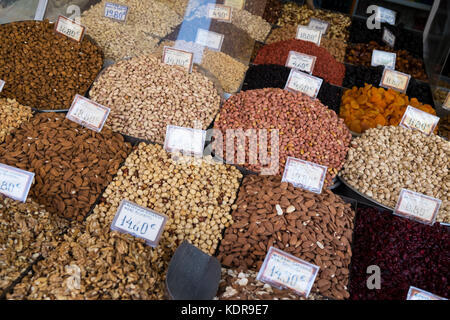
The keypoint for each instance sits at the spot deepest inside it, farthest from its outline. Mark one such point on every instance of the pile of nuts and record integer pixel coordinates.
(143, 104)
(72, 164)
(273, 11)
(197, 198)
(444, 127)
(440, 94)
(339, 23)
(326, 66)
(42, 69)
(317, 228)
(307, 129)
(242, 285)
(27, 231)
(179, 6)
(385, 160)
(255, 26)
(12, 114)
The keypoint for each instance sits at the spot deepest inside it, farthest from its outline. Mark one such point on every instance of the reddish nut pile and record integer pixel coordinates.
(43, 69)
(326, 66)
(312, 227)
(308, 130)
(72, 164)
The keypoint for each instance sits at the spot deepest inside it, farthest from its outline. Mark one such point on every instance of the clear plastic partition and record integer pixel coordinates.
(17, 10)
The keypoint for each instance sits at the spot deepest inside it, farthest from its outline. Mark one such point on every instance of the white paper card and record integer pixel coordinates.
(88, 113)
(283, 270)
(186, 140)
(419, 294)
(388, 37)
(301, 61)
(219, 12)
(177, 57)
(116, 11)
(140, 222)
(416, 119)
(69, 28)
(2, 84)
(416, 206)
(383, 58)
(320, 25)
(303, 174)
(209, 39)
(15, 183)
(396, 80)
(308, 34)
(385, 15)
(302, 82)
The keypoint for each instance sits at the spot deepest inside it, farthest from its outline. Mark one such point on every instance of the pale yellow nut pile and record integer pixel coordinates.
(146, 95)
(12, 114)
(27, 231)
(197, 198)
(386, 159)
(179, 6)
(256, 27)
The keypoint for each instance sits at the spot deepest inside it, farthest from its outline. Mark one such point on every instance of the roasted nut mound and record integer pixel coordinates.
(339, 23)
(307, 129)
(179, 6)
(326, 66)
(146, 95)
(72, 164)
(27, 231)
(385, 160)
(242, 285)
(12, 114)
(197, 198)
(314, 227)
(273, 11)
(45, 70)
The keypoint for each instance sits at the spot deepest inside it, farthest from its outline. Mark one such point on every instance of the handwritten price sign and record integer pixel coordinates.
(177, 57)
(419, 294)
(116, 11)
(416, 119)
(303, 174)
(15, 183)
(69, 28)
(303, 82)
(416, 206)
(88, 113)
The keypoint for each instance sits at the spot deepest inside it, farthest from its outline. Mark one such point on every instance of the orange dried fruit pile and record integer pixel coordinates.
(368, 107)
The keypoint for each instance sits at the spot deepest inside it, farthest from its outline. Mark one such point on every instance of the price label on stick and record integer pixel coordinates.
(177, 57)
(384, 58)
(302, 82)
(15, 183)
(283, 270)
(2, 84)
(320, 25)
(395, 80)
(140, 222)
(416, 119)
(186, 140)
(210, 39)
(419, 294)
(416, 206)
(385, 15)
(300, 61)
(69, 28)
(219, 12)
(309, 34)
(116, 11)
(88, 113)
(303, 174)
(388, 37)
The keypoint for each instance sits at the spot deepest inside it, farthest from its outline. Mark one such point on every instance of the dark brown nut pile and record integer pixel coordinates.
(308, 130)
(242, 285)
(444, 127)
(197, 199)
(72, 164)
(143, 104)
(27, 231)
(45, 70)
(12, 114)
(273, 11)
(315, 228)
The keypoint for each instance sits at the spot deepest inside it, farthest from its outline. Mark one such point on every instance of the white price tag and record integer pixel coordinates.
(416, 206)
(383, 58)
(283, 270)
(15, 183)
(219, 12)
(446, 104)
(302, 82)
(416, 119)
(308, 34)
(237, 4)
(320, 25)
(177, 57)
(2, 84)
(88, 113)
(140, 222)
(392, 79)
(303, 174)
(116, 11)
(419, 294)
(385, 15)
(69, 28)
(210, 39)
(186, 140)
(388, 37)
(301, 61)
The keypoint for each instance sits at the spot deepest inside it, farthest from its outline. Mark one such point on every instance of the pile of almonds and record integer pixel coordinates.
(72, 164)
(12, 114)
(317, 228)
